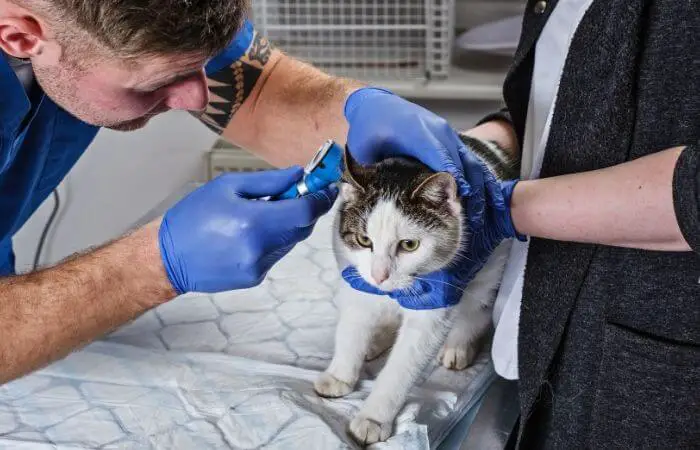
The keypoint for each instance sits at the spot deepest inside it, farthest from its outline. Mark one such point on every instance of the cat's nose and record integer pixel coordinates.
(380, 274)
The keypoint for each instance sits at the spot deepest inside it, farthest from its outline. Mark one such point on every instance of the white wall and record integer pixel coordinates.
(123, 175)
(120, 177)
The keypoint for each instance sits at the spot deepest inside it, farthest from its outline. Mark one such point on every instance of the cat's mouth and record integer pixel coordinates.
(394, 283)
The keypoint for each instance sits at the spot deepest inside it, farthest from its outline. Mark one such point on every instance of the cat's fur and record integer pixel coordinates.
(394, 200)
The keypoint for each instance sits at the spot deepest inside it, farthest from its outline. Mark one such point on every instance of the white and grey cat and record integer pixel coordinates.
(398, 220)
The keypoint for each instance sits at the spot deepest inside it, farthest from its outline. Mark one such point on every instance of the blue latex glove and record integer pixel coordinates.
(445, 288)
(384, 125)
(218, 238)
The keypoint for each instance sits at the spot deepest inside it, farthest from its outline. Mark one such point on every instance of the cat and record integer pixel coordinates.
(397, 220)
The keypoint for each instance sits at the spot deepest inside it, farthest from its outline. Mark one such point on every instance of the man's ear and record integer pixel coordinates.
(22, 34)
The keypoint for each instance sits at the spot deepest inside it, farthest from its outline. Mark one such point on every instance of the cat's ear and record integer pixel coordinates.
(348, 191)
(438, 188)
(353, 172)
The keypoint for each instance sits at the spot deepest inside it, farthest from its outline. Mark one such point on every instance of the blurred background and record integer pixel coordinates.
(451, 56)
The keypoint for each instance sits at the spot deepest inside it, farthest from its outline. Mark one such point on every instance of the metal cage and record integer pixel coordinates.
(363, 39)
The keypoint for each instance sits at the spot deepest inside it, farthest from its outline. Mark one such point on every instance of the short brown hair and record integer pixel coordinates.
(132, 28)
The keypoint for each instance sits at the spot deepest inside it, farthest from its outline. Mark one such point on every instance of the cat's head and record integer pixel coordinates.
(398, 220)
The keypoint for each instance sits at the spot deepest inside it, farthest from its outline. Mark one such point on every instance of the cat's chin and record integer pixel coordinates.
(393, 285)
(390, 284)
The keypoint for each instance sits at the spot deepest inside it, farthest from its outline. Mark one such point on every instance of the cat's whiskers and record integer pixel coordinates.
(460, 256)
(439, 281)
(413, 291)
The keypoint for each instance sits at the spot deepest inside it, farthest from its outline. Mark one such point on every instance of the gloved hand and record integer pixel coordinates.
(445, 288)
(218, 238)
(384, 125)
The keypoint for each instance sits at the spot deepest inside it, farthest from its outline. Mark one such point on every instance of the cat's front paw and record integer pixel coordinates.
(367, 431)
(457, 357)
(326, 385)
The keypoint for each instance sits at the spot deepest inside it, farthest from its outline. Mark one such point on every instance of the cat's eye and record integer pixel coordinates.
(409, 245)
(363, 240)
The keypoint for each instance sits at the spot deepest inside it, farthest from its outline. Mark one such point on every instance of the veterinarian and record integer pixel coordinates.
(68, 68)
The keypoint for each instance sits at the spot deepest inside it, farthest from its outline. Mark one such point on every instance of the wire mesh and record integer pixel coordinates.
(365, 39)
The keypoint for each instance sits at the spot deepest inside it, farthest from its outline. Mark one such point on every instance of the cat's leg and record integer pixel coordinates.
(359, 315)
(384, 336)
(419, 339)
(465, 338)
(473, 315)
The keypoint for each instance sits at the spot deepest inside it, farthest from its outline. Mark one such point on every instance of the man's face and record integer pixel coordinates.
(121, 96)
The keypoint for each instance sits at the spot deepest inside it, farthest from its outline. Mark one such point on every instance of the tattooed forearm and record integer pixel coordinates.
(229, 88)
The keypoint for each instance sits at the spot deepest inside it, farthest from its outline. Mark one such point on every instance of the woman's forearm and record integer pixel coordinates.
(500, 132)
(628, 205)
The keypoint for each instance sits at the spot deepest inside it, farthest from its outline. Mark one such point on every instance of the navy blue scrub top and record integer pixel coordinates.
(40, 143)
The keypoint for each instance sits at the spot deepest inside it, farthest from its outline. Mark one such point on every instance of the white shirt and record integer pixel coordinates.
(550, 55)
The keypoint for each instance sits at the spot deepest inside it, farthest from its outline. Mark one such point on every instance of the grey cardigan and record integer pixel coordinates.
(609, 348)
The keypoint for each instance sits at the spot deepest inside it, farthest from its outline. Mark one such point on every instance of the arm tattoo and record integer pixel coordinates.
(229, 87)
